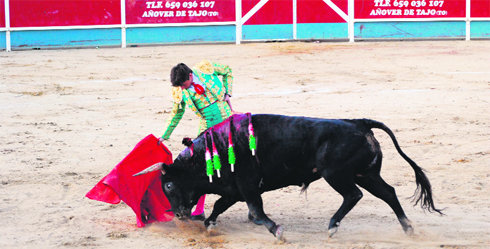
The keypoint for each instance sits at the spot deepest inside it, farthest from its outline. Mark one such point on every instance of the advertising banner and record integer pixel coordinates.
(273, 12)
(318, 11)
(179, 11)
(2, 14)
(365, 9)
(35, 13)
(480, 8)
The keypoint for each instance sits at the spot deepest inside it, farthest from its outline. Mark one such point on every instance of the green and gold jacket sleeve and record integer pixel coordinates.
(226, 72)
(175, 117)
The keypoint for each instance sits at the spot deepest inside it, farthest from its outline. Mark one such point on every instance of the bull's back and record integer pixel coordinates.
(288, 148)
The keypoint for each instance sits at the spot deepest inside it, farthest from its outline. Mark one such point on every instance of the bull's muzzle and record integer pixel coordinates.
(182, 213)
(180, 216)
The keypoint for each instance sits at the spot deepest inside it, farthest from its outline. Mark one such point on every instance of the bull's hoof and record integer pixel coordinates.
(279, 233)
(408, 230)
(210, 227)
(407, 226)
(332, 231)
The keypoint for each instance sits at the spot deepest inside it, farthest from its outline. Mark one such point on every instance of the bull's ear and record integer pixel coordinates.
(187, 141)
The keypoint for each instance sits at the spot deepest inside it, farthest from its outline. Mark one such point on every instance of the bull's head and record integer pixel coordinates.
(179, 186)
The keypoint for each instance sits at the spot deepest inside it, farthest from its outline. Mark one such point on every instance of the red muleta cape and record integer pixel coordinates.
(142, 193)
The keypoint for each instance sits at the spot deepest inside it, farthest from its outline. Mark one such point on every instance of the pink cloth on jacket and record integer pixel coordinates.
(142, 193)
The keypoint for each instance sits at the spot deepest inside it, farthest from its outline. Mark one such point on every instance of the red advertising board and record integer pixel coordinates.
(179, 11)
(409, 8)
(480, 8)
(273, 12)
(2, 14)
(318, 11)
(38, 13)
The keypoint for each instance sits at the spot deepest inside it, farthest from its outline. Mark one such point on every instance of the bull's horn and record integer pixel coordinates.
(154, 167)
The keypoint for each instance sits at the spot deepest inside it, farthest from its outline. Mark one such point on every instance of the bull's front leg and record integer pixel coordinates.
(256, 209)
(220, 206)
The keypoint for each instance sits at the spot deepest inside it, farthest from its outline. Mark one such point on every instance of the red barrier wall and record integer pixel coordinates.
(35, 13)
(273, 12)
(480, 8)
(317, 11)
(409, 8)
(179, 11)
(2, 14)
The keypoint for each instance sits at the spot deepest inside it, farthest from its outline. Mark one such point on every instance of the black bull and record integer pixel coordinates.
(290, 151)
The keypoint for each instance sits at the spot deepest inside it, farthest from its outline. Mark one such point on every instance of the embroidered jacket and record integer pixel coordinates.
(215, 90)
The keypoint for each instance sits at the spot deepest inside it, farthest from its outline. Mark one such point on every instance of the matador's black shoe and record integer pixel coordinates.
(200, 217)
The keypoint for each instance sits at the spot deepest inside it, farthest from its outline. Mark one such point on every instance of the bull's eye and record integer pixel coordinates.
(169, 186)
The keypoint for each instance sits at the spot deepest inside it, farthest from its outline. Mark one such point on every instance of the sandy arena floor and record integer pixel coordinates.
(69, 116)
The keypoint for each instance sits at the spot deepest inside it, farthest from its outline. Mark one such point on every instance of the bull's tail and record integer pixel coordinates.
(423, 193)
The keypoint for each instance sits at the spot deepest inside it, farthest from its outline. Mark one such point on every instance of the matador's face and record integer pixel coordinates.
(186, 84)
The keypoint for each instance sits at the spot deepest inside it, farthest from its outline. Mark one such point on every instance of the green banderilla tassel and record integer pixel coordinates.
(253, 145)
(209, 160)
(217, 164)
(231, 158)
(209, 167)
